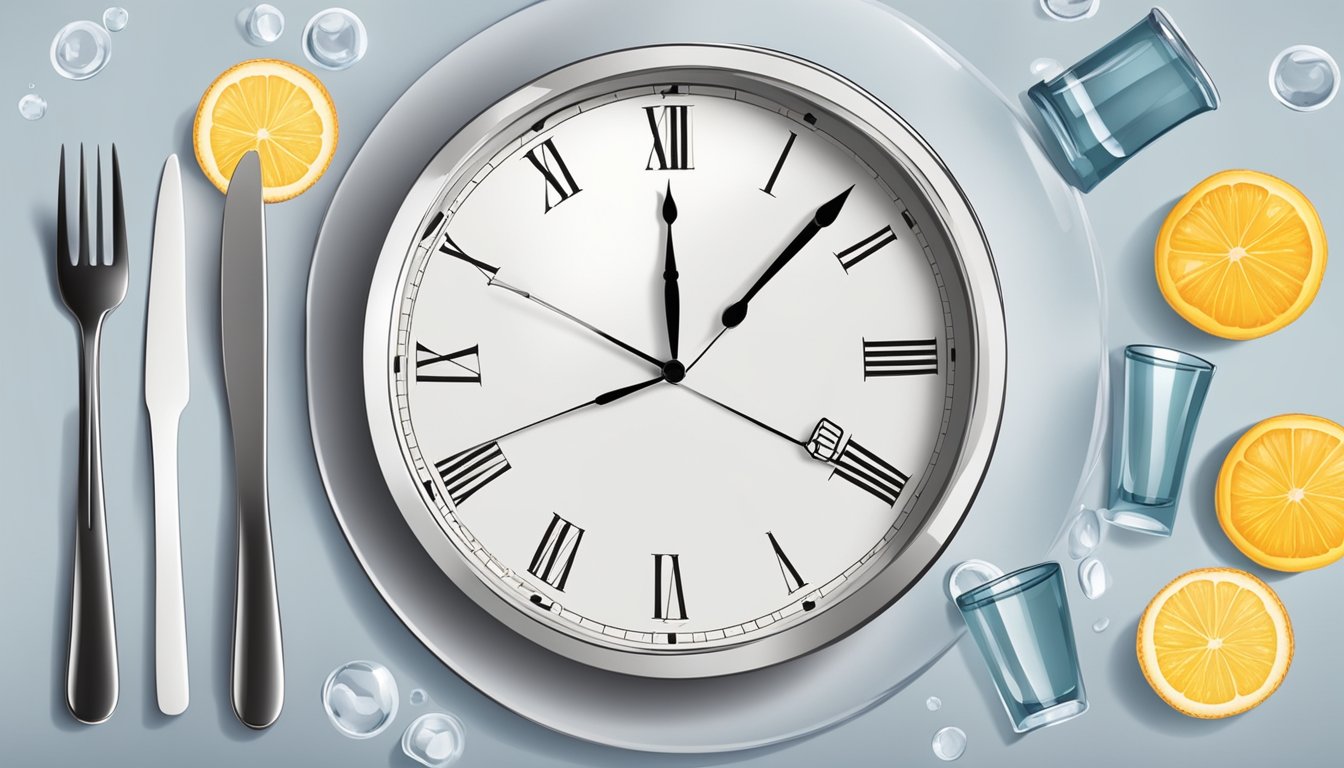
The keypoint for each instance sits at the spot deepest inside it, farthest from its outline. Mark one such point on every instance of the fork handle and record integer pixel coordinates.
(91, 670)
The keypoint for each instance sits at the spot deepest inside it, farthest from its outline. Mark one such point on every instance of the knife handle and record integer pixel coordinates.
(91, 683)
(170, 621)
(258, 661)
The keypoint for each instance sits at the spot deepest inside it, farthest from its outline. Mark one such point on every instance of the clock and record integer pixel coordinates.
(690, 360)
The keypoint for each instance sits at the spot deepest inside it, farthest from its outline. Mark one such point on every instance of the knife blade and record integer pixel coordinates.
(167, 389)
(257, 677)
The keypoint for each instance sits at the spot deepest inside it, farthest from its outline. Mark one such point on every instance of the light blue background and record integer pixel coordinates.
(145, 101)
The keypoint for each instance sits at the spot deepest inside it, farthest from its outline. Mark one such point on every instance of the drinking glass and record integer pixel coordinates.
(1107, 107)
(1164, 392)
(1020, 622)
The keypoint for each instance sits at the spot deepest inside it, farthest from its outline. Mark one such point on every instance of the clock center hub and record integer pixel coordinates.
(673, 371)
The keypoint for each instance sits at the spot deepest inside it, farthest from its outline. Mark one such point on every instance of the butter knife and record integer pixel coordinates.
(258, 677)
(166, 394)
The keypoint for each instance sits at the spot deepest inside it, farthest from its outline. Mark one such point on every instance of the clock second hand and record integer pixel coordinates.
(757, 422)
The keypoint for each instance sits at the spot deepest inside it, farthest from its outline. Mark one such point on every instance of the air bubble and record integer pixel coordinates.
(1304, 78)
(360, 699)
(1084, 534)
(435, 740)
(933, 703)
(32, 107)
(262, 24)
(949, 743)
(418, 697)
(1101, 624)
(1092, 578)
(80, 50)
(335, 39)
(115, 18)
(1070, 10)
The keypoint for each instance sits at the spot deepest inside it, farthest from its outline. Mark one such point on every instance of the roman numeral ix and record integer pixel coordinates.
(671, 129)
(555, 554)
(560, 184)
(866, 247)
(467, 472)
(462, 366)
(899, 358)
(669, 602)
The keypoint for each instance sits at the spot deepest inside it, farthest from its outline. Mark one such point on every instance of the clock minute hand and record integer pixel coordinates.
(606, 398)
(824, 217)
(671, 291)
(494, 281)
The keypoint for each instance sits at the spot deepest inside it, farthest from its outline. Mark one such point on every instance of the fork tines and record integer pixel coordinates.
(99, 255)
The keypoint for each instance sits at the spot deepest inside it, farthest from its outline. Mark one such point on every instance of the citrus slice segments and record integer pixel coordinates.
(282, 111)
(1280, 493)
(1241, 255)
(1215, 642)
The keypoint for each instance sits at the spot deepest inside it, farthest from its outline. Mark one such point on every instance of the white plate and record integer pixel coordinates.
(1041, 243)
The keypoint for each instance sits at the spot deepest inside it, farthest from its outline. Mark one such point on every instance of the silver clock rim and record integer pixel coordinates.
(901, 144)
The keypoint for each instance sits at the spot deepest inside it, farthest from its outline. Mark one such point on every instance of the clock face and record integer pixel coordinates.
(675, 369)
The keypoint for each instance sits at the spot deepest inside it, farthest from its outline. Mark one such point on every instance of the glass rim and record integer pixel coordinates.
(1153, 353)
(1008, 585)
(1166, 26)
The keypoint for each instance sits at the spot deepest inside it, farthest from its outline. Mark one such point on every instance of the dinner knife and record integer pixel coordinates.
(166, 394)
(258, 677)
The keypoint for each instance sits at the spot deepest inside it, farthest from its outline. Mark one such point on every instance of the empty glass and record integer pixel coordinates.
(1164, 392)
(1021, 624)
(1107, 107)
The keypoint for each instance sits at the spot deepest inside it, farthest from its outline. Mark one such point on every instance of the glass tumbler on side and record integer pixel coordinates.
(1022, 627)
(1104, 109)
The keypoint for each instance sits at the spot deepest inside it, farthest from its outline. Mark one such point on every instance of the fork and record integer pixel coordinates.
(91, 290)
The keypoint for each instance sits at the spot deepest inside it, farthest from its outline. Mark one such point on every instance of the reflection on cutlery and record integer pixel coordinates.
(91, 288)
(258, 683)
(166, 392)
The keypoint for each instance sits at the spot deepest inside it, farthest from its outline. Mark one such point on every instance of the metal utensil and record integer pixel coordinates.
(166, 393)
(91, 288)
(258, 682)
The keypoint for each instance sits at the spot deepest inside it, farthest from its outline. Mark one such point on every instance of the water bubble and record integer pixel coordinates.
(435, 740)
(115, 18)
(360, 698)
(418, 697)
(335, 39)
(1084, 534)
(262, 24)
(31, 86)
(1101, 624)
(32, 107)
(933, 703)
(968, 575)
(1045, 69)
(1304, 78)
(1092, 578)
(949, 743)
(1070, 10)
(80, 50)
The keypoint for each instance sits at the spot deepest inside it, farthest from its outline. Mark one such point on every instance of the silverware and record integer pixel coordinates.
(91, 289)
(258, 682)
(166, 393)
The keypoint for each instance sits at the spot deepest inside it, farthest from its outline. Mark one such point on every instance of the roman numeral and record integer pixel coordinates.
(560, 184)
(899, 358)
(555, 553)
(452, 249)
(671, 129)
(467, 472)
(669, 602)
(870, 473)
(462, 366)
(866, 247)
(792, 580)
(769, 187)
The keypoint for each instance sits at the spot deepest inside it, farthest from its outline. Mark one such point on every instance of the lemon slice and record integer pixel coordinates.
(1280, 494)
(1241, 255)
(276, 108)
(1215, 642)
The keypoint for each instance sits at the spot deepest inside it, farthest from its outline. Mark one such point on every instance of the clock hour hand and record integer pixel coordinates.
(671, 292)
(494, 281)
(606, 398)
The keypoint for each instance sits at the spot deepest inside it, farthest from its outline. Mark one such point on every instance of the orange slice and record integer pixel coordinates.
(1215, 642)
(1280, 494)
(1241, 255)
(276, 108)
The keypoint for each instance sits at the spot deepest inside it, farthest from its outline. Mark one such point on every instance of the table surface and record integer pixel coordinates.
(145, 100)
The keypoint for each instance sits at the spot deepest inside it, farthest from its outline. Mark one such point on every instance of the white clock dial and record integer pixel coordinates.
(695, 512)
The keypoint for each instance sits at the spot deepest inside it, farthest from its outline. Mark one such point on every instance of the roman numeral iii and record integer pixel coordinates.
(669, 602)
(462, 366)
(671, 129)
(555, 554)
(792, 580)
(467, 472)
(866, 247)
(560, 184)
(899, 358)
